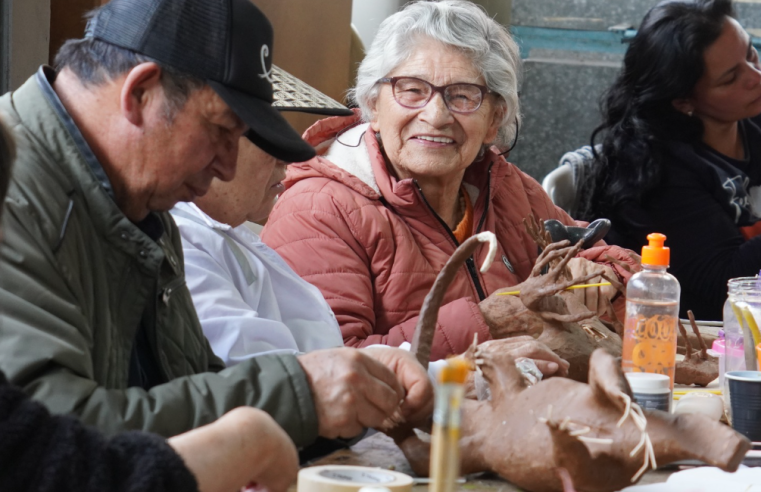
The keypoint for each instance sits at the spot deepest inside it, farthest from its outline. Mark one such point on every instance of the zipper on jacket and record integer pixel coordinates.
(470, 262)
(488, 196)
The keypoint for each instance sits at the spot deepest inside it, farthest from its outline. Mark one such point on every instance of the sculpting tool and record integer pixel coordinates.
(579, 286)
(445, 439)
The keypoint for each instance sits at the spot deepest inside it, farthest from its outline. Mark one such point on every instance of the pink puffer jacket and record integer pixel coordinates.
(373, 246)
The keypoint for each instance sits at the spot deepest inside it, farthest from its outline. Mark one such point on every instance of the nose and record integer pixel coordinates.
(436, 112)
(754, 77)
(227, 159)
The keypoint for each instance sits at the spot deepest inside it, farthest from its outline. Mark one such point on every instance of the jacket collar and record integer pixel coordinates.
(44, 116)
(44, 77)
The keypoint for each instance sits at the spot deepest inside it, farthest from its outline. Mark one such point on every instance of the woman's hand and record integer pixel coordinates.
(525, 347)
(244, 446)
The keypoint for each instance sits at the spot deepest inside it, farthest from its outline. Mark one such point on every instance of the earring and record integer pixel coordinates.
(689, 113)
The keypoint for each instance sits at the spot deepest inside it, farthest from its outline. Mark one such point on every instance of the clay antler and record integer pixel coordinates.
(429, 313)
(699, 367)
(703, 347)
(537, 287)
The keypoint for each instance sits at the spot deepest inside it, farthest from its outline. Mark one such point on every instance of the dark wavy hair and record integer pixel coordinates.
(664, 62)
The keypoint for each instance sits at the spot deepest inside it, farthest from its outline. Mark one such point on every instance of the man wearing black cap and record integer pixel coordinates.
(142, 113)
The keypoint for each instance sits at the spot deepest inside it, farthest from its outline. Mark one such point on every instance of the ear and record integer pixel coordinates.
(374, 111)
(607, 380)
(141, 88)
(498, 115)
(684, 106)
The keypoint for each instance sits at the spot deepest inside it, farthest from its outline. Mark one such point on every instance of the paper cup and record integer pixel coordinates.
(745, 402)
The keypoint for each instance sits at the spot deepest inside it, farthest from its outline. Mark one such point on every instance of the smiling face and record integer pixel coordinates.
(181, 157)
(251, 195)
(433, 142)
(730, 88)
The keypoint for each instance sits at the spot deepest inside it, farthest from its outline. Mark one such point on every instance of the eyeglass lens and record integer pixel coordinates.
(415, 93)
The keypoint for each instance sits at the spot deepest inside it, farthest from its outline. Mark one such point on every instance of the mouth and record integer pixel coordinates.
(434, 139)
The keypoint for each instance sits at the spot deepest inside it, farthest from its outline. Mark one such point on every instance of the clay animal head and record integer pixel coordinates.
(594, 431)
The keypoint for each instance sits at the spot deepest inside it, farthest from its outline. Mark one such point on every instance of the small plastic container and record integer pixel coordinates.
(718, 352)
(651, 391)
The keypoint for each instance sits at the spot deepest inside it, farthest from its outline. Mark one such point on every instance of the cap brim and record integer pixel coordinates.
(293, 94)
(268, 130)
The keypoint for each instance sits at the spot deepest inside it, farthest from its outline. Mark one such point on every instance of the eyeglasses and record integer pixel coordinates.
(414, 93)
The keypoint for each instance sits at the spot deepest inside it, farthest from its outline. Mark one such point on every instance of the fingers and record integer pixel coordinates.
(527, 348)
(546, 367)
(418, 402)
(350, 390)
(384, 392)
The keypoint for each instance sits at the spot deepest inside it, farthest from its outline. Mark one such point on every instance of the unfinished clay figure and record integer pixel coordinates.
(697, 367)
(594, 432)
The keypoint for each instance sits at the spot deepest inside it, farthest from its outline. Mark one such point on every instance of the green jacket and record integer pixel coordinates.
(75, 279)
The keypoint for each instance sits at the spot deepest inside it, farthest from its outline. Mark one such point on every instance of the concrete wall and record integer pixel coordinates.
(24, 40)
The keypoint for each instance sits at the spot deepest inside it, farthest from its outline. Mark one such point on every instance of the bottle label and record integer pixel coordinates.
(650, 345)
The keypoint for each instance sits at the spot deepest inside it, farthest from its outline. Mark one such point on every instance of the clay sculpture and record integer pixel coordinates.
(697, 367)
(593, 433)
(570, 329)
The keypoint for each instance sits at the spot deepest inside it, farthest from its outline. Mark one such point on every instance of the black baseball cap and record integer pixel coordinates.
(227, 43)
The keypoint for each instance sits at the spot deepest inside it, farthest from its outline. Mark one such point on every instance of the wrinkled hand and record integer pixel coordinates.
(506, 316)
(351, 390)
(244, 446)
(418, 402)
(594, 298)
(526, 347)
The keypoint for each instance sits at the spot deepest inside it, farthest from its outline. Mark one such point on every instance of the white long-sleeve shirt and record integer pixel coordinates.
(248, 299)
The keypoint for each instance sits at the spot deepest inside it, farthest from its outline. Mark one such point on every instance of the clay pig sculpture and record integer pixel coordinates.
(594, 432)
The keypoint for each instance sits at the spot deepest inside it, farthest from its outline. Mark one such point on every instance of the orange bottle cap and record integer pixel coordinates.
(655, 253)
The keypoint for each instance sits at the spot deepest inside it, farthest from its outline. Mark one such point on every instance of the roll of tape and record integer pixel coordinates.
(341, 478)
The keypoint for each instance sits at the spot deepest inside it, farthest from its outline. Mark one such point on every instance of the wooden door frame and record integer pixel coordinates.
(24, 40)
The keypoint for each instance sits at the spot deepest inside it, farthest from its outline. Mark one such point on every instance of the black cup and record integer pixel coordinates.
(745, 402)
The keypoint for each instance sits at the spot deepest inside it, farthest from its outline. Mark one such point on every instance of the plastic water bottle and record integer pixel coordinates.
(652, 313)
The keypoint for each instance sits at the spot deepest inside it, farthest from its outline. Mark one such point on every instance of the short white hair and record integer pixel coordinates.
(457, 23)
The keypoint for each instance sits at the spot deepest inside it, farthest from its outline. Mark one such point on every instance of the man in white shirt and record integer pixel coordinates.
(248, 299)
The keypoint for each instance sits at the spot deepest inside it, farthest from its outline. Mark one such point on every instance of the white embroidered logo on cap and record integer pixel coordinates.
(267, 73)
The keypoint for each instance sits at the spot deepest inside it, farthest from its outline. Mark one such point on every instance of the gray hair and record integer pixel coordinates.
(457, 23)
(95, 62)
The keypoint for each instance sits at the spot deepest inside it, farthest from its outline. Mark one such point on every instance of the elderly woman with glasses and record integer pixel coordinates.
(396, 188)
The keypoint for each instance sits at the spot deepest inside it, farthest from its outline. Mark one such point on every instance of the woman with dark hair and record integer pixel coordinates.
(681, 148)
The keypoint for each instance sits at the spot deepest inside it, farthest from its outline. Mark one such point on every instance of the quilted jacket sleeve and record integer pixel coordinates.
(46, 345)
(325, 245)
